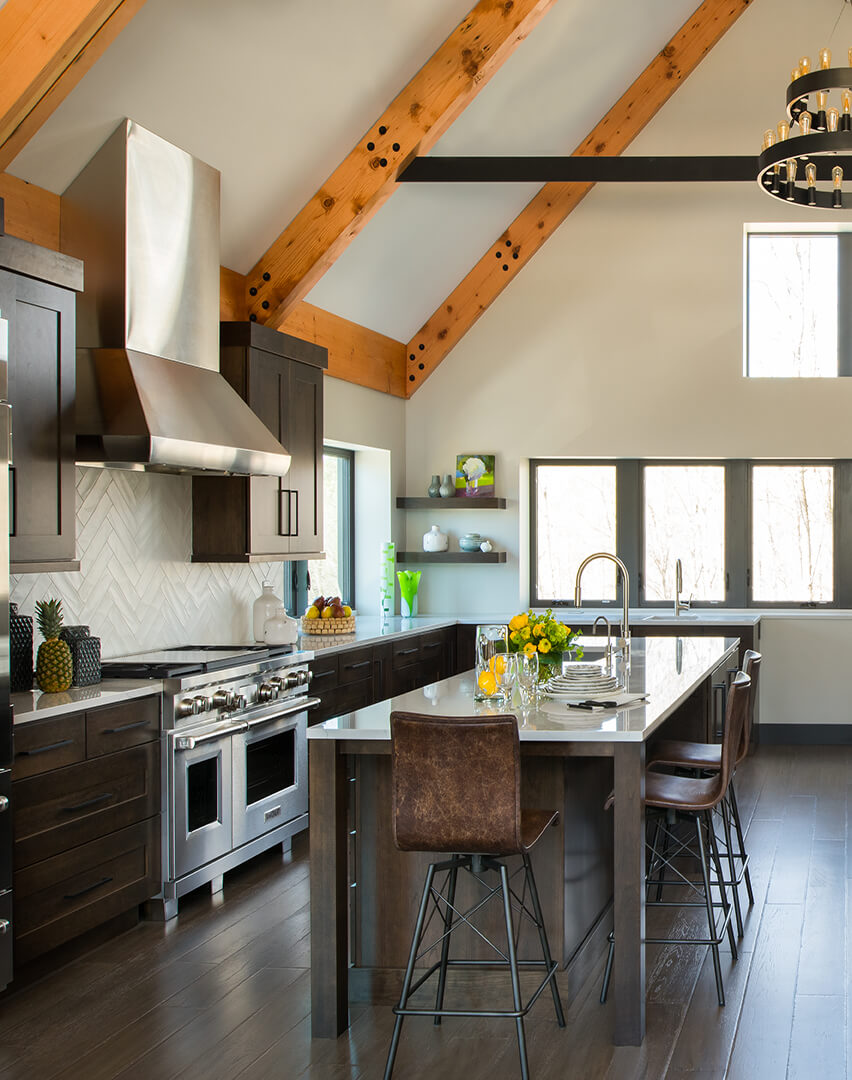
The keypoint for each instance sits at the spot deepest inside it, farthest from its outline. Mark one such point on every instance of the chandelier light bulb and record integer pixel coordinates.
(837, 180)
(805, 64)
(796, 73)
(822, 100)
(850, 58)
(783, 130)
(833, 117)
(804, 123)
(768, 138)
(810, 173)
(825, 59)
(791, 169)
(791, 180)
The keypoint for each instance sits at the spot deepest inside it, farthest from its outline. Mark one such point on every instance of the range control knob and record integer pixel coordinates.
(267, 692)
(277, 682)
(202, 702)
(291, 679)
(221, 699)
(305, 677)
(186, 707)
(239, 701)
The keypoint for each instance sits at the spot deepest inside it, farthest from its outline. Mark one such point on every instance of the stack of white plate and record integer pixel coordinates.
(581, 680)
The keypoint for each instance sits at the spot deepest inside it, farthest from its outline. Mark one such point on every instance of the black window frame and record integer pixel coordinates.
(297, 584)
(738, 531)
(844, 284)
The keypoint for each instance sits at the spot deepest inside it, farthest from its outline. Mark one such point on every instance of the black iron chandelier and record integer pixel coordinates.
(806, 158)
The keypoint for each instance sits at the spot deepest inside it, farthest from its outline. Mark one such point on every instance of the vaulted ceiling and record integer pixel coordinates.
(276, 93)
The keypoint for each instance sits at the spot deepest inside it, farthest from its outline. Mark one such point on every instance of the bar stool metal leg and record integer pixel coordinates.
(735, 810)
(450, 901)
(720, 878)
(513, 968)
(542, 933)
(726, 826)
(409, 971)
(708, 899)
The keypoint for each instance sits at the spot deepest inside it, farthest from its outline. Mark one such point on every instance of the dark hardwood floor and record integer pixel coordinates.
(223, 992)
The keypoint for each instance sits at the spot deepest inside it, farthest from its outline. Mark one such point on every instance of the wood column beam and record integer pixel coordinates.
(411, 124)
(47, 47)
(555, 201)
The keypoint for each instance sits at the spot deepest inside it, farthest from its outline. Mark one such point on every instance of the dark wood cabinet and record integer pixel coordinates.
(353, 678)
(86, 821)
(42, 378)
(259, 518)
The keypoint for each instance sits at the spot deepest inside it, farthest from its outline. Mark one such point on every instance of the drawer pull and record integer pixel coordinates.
(88, 889)
(89, 802)
(433, 645)
(125, 727)
(45, 749)
(406, 652)
(354, 667)
(323, 674)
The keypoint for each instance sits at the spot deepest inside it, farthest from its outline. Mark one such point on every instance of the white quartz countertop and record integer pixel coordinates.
(666, 669)
(35, 705)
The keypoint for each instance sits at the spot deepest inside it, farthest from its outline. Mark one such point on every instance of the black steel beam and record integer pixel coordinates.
(575, 169)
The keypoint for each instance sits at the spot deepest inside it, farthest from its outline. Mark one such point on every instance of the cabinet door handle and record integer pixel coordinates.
(295, 531)
(355, 667)
(44, 749)
(88, 889)
(434, 645)
(89, 802)
(125, 727)
(281, 530)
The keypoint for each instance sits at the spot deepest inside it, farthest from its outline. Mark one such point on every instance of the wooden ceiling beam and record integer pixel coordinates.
(47, 47)
(555, 201)
(411, 124)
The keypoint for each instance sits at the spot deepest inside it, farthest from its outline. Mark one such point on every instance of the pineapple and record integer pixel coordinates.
(54, 669)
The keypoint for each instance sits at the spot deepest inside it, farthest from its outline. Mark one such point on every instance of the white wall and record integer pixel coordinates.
(373, 425)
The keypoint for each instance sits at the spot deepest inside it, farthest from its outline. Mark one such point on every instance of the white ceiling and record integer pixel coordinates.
(274, 93)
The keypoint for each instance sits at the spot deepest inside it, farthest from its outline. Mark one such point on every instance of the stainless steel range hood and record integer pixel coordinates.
(144, 217)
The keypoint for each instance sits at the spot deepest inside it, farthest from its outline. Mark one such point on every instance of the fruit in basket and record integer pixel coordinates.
(312, 613)
(347, 611)
(337, 611)
(319, 603)
(326, 613)
(54, 669)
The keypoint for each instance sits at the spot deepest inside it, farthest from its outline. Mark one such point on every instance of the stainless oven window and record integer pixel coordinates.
(203, 794)
(270, 765)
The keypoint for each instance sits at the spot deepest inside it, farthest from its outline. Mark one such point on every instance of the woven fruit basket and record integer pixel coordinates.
(328, 626)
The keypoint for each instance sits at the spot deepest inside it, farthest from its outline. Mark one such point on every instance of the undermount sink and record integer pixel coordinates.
(669, 618)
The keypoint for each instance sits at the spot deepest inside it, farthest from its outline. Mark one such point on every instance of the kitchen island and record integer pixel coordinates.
(364, 892)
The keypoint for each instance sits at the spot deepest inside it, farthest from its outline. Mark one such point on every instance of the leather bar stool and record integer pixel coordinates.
(707, 757)
(695, 798)
(457, 789)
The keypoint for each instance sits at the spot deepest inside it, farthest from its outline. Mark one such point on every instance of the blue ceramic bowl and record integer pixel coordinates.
(470, 542)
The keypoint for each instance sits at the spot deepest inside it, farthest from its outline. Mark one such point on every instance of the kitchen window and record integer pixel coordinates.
(796, 326)
(335, 574)
(748, 533)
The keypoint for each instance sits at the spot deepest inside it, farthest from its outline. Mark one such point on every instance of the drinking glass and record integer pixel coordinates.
(526, 676)
(506, 676)
(491, 642)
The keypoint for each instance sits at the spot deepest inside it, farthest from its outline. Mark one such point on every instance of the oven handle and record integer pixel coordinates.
(276, 712)
(189, 742)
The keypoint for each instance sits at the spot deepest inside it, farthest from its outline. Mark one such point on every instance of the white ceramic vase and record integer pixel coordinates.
(435, 540)
(264, 608)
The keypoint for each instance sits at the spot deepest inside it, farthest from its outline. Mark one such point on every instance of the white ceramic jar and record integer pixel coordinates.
(435, 540)
(280, 629)
(264, 608)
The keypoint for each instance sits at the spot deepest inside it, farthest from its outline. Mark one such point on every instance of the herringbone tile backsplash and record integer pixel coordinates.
(136, 587)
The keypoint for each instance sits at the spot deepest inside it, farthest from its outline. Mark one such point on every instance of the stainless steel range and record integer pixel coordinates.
(235, 776)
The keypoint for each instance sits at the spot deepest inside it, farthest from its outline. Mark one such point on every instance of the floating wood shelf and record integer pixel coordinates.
(461, 502)
(450, 556)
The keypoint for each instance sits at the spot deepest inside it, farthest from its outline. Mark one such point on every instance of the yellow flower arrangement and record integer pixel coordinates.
(535, 633)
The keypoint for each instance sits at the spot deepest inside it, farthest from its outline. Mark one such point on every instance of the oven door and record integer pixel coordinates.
(201, 795)
(271, 769)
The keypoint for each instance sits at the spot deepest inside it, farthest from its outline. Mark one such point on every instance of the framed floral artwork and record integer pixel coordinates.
(474, 475)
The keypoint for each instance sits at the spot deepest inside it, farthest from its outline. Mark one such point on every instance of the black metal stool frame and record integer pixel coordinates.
(452, 919)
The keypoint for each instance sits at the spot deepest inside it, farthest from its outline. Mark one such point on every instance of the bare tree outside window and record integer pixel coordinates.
(325, 577)
(575, 516)
(684, 514)
(792, 306)
(793, 533)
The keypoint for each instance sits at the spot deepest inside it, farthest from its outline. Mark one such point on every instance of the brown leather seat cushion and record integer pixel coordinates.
(676, 792)
(686, 755)
(533, 824)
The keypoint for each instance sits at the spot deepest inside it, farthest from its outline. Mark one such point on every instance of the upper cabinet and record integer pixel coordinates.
(37, 297)
(267, 518)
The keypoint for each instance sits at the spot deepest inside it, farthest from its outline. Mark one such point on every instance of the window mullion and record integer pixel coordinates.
(628, 523)
(844, 309)
(737, 533)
